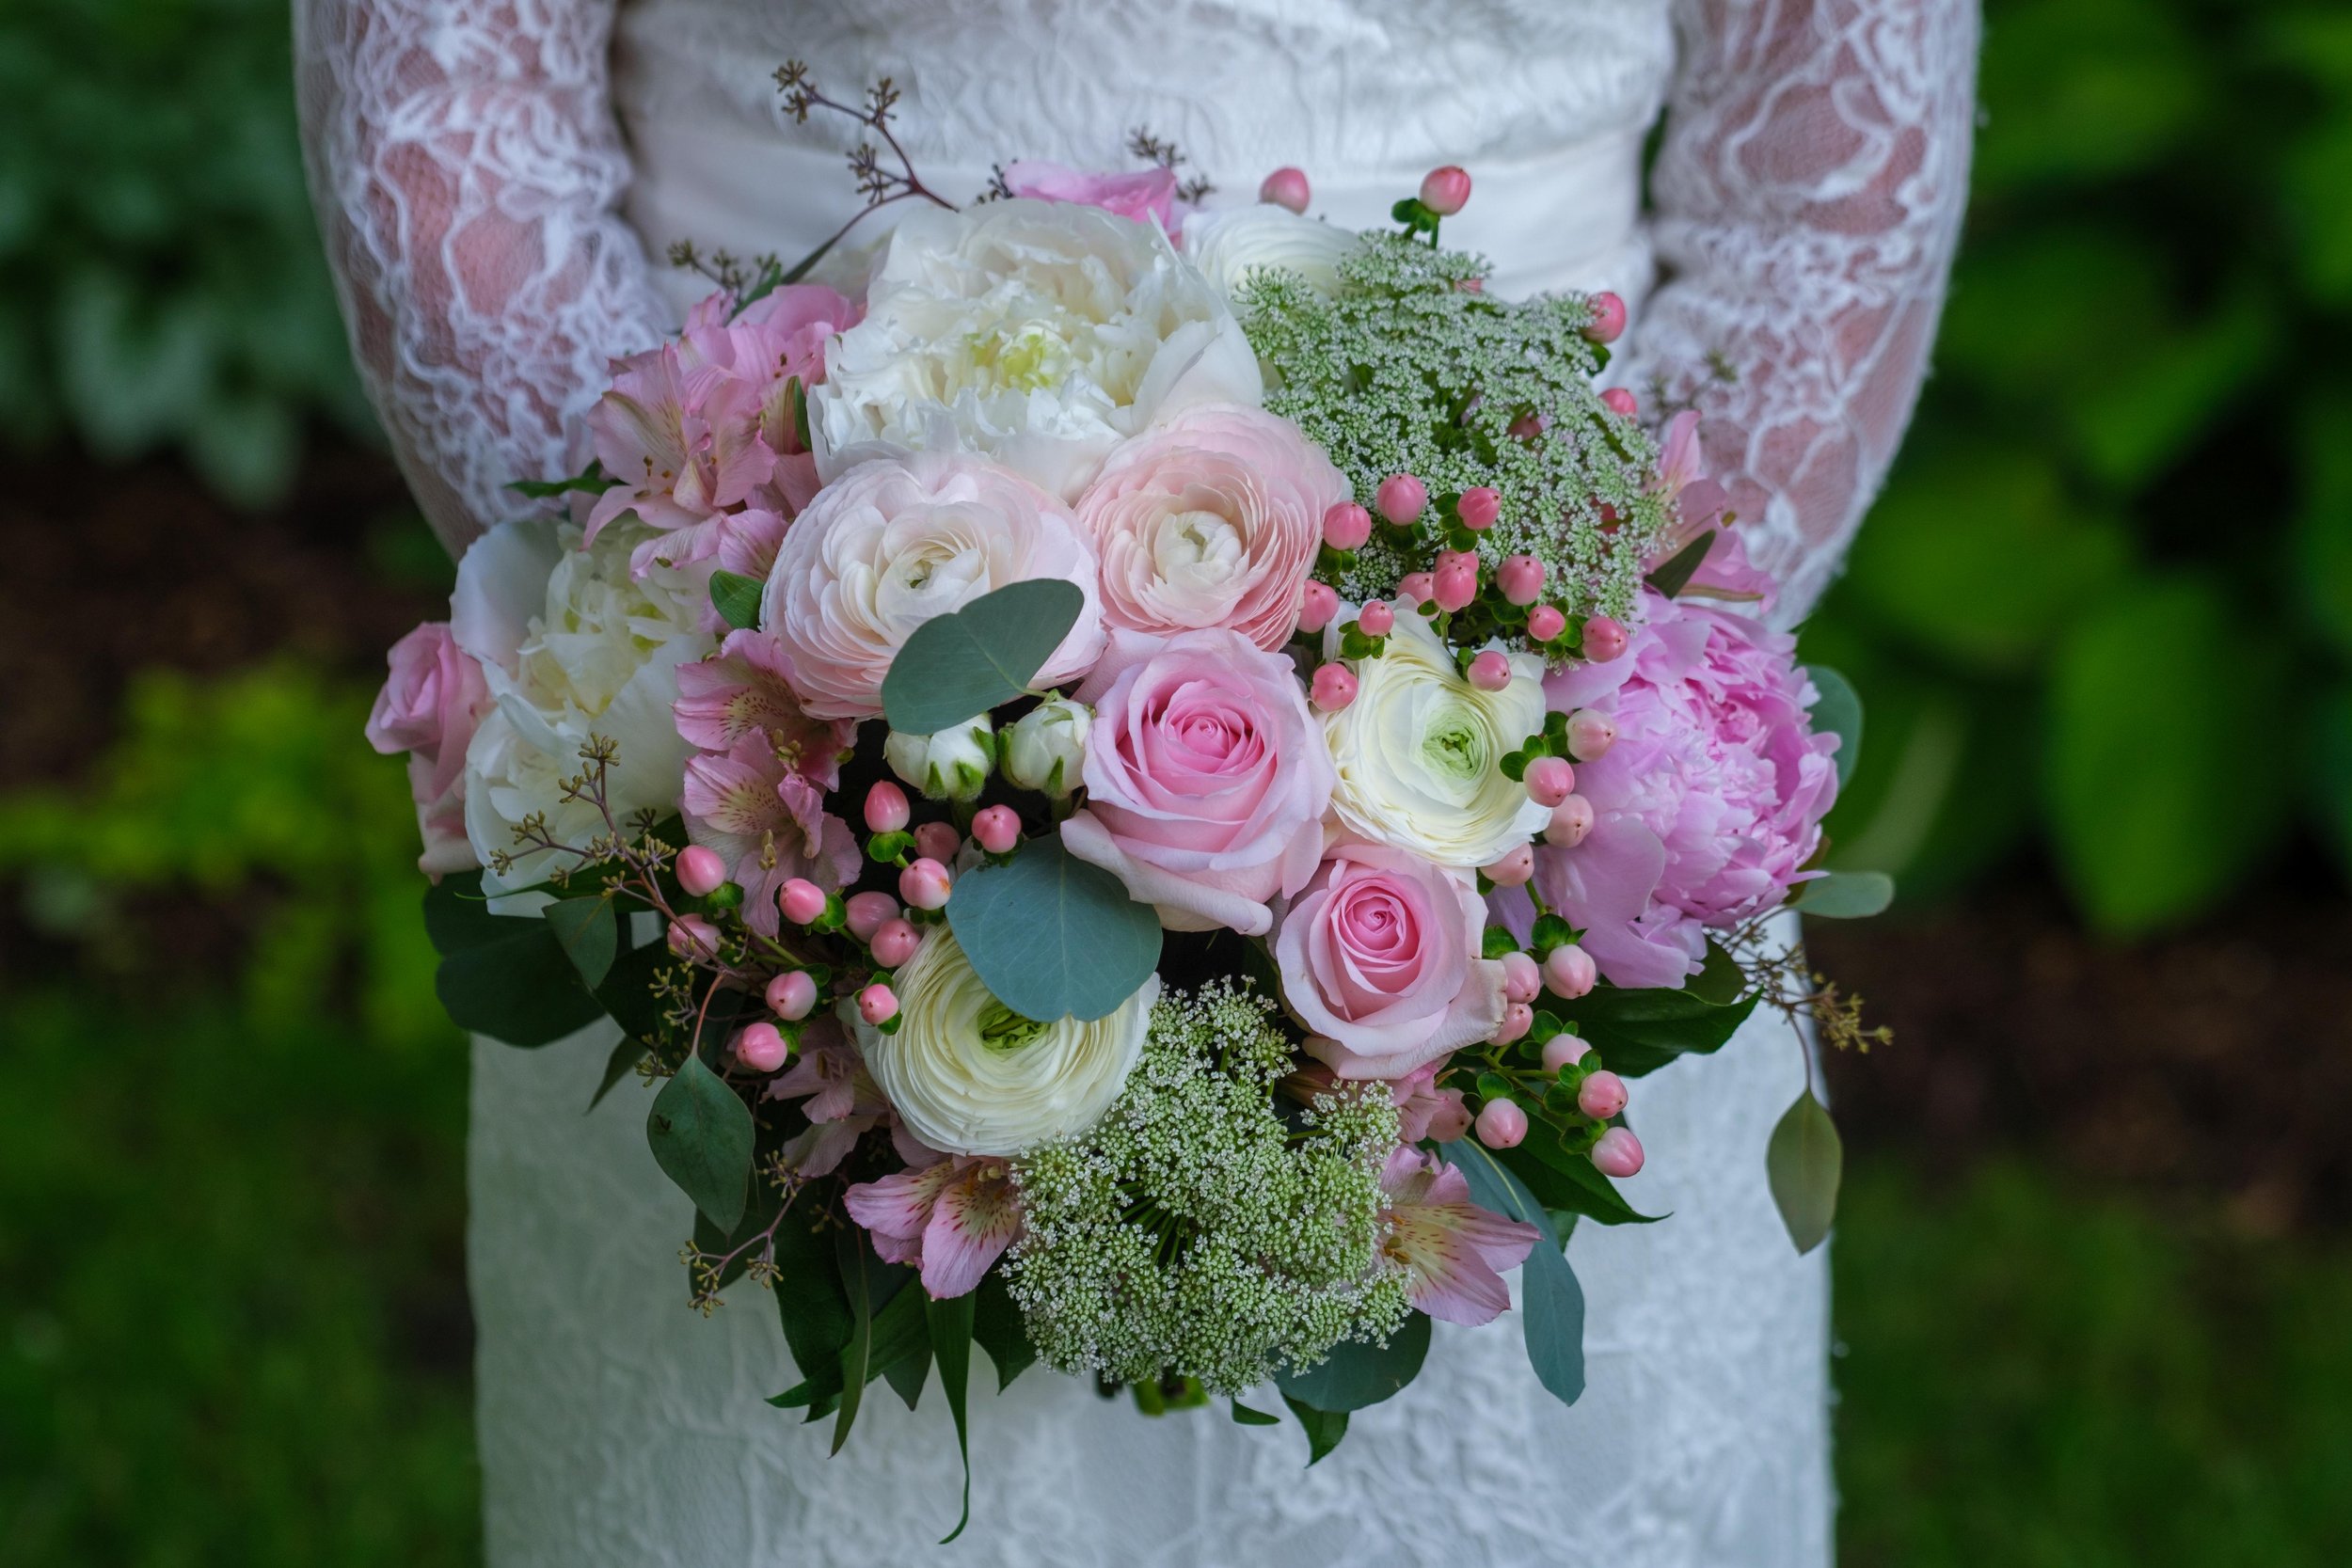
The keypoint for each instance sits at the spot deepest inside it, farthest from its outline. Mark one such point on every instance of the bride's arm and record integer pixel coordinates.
(1808, 197)
(465, 163)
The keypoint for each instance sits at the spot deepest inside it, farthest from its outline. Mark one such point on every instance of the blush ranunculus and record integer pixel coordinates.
(1379, 959)
(1146, 195)
(430, 703)
(1212, 519)
(893, 543)
(1206, 778)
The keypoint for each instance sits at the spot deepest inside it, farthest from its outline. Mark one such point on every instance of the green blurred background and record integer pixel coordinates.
(2093, 1286)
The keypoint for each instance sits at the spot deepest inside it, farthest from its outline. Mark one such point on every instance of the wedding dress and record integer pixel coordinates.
(492, 177)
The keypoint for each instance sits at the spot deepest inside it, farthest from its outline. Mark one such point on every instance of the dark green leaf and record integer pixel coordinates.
(1324, 1428)
(736, 597)
(1839, 713)
(1804, 1160)
(1355, 1375)
(965, 663)
(996, 1324)
(858, 1265)
(589, 934)
(1675, 575)
(1846, 895)
(1244, 1416)
(1551, 1302)
(626, 1052)
(1719, 981)
(1052, 936)
(908, 1375)
(1641, 1031)
(701, 1133)
(1562, 1179)
(594, 480)
(814, 1308)
(951, 1324)
(503, 976)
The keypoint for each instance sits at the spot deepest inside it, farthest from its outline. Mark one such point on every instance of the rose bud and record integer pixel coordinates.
(1046, 749)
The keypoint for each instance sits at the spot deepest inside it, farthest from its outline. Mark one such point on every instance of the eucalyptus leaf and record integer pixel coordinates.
(1805, 1162)
(970, 660)
(701, 1132)
(736, 597)
(1838, 712)
(505, 976)
(1357, 1375)
(1551, 1304)
(951, 1323)
(1052, 936)
(1848, 896)
(589, 934)
(1324, 1428)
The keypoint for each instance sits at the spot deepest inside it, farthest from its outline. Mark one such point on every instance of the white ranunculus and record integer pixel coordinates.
(1046, 748)
(1040, 333)
(1418, 750)
(571, 646)
(947, 764)
(1231, 245)
(970, 1076)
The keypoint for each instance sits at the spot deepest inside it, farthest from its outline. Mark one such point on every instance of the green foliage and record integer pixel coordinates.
(2121, 534)
(957, 665)
(160, 282)
(1551, 1303)
(1357, 1373)
(510, 976)
(701, 1133)
(1804, 1163)
(1052, 936)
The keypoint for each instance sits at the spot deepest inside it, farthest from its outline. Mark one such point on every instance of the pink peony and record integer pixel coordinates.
(1147, 195)
(767, 822)
(1710, 804)
(890, 545)
(745, 688)
(1206, 778)
(1454, 1252)
(1212, 519)
(951, 1218)
(1379, 959)
(430, 705)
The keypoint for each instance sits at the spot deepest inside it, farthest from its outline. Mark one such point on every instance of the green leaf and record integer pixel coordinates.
(594, 480)
(1355, 1375)
(588, 933)
(1551, 1304)
(1640, 1031)
(951, 1326)
(505, 976)
(1846, 895)
(1839, 713)
(968, 661)
(909, 1373)
(1244, 1416)
(814, 1308)
(857, 1264)
(701, 1133)
(1324, 1428)
(626, 1052)
(996, 1326)
(1566, 1179)
(736, 597)
(1052, 936)
(1675, 575)
(1804, 1161)
(1720, 981)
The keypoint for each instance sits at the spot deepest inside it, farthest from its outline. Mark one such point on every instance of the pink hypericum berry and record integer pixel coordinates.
(1376, 619)
(925, 884)
(1522, 980)
(700, 871)
(1591, 732)
(801, 901)
(694, 938)
(887, 808)
(1601, 1096)
(1448, 1121)
(938, 841)
(762, 1048)
(1513, 867)
(1569, 973)
(1563, 1050)
(877, 1004)
(1571, 819)
(1502, 1124)
(1333, 688)
(1346, 526)
(1608, 323)
(895, 944)
(1316, 607)
(1287, 187)
(1445, 192)
(1455, 587)
(1549, 780)
(1618, 400)
(868, 911)
(1401, 499)
(1521, 578)
(1618, 1154)
(997, 830)
(1419, 587)
(1528, 426)
(1604, 639)
(1545, 621)
(793, 995)
(1518, 1019)
(1490, 670)
(1479, 507)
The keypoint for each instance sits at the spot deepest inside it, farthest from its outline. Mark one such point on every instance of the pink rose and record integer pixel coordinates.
(1147, 195)
(893, 543)
(1379, 959)
(1206, 778)
(1212, 519)
(429, 706)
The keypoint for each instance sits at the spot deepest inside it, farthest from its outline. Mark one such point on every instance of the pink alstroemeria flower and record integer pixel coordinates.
(767, 822)
(844, 1104)
(1454, 1251)
(952, 1218)
(686, 446)
(746, 689)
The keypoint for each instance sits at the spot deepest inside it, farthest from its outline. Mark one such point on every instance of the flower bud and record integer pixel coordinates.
(1376, 619)
(1591, 732)
(1604, 639)
(1045, 750)
(1545, 621)
(1608, 322)
(1287, 187)
(1571, 819)
(1445, 192)
(1490, 670)
(1620, 402)
(886, 810)
(925, 884)
(1401, 499)
(895, 944)
(1502, 1124)
(877, 1003)
(952, 764)
(1549, 780)
(1569, 971)
(1513, 867)
(700, 871)
(694, 939)
(1618, 1154)
(937, 841)
(997, 830)
(1316, 607)
(1346, 526)
(801, 901)
(868, 911)
(1333, 688)
(1601, 1096)
(1522, 580)
(1479, 507)
(1518, 1019)
(1522, 980)
(761, 1047)
(793, 995)
(1563, 1050)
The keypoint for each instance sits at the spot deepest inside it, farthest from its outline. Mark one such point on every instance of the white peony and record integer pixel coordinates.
(1041, 333)
(1231, 245)
(1418, 750)
(571, 645)
(970, 1076)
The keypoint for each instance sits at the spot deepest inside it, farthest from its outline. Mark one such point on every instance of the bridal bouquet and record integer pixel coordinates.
(1139, 787)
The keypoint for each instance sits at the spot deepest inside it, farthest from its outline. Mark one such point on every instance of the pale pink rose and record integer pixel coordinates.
(745, 688)
(430, 703)
(895, 541)
(1212, 519)
(1379, 957)
(1454, 1251)
(767, 822)
(1147, 195)
(1206, 778)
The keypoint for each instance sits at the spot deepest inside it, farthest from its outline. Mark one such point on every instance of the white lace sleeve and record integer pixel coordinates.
(1808, 196)
(465, 163)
